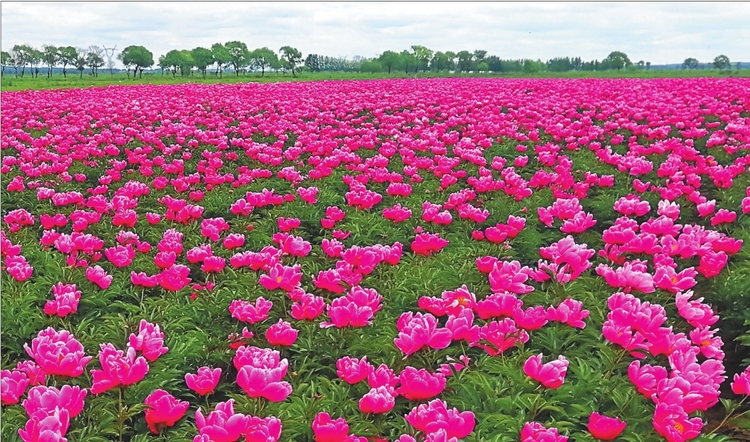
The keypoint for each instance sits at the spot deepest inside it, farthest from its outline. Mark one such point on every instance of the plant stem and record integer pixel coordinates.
(120, 420)
(729, 415)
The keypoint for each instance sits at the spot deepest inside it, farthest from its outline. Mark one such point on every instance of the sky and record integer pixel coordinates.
(660, 33)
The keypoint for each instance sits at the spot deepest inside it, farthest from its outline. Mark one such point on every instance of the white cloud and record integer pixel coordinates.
(657, 32)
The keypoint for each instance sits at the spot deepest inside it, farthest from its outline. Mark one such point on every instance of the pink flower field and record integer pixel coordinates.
(390, 260)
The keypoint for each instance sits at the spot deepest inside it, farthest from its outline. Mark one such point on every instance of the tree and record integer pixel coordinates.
(68, 56)
(186, 62)
(138, 57)
(291, 56)
(617, 60)
(407, 60)
(35, 58)
(238, 55)
(21, 54)
(94, 59)
(389, 60)
(690, 63)
(440, 61)
(479, 55)
(202, 58)
(50, 56)
(422, 56)
(464, 61)
(221, 57)
(172, 61)
(263, 58)
(370, 66)
(5, 60)
(80, 62)
(721, 62)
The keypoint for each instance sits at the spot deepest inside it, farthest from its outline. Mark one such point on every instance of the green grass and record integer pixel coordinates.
(12, 83)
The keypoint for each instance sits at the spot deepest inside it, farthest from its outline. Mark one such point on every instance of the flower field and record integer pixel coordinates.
(411, 260)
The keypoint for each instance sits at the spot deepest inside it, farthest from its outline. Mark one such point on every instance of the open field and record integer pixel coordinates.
(510, 255)
(13, 83)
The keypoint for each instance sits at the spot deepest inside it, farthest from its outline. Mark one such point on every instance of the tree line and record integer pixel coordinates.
(236, 55)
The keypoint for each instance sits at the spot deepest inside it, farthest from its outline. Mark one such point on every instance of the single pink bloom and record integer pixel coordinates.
(98, 276)
(605, 428)
(352, 370)
(149, 341)
(58, 353)
(118, 368)
(282, 333)
(14, 385)
(205, 381)
(378, 400)
(326, 429)
(420, 384)
(551, 374)
(163, 410)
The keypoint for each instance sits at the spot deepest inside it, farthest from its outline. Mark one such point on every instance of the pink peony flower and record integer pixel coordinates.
(205, 381)
(551, 374)
(163, 410)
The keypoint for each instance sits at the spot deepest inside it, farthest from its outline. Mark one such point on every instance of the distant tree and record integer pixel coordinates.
(641, 64)
(407, 60)
(238, 55)
(163, 63)
(690, 63)
(389, 60)
(68, 56)
(422, 56)
(20, 56)
(263, 58)
(94, 59)
(370, 66)
(172, 61)
(51, 56)
(292, 57)
(138, 57)
(441, 61)
(721, 62)
(186, 63)
(465, 61)
(35, 59)
(479, 55)
(494, 64)
(222, 58)
(648, 65)
(531, 66)
(80, 62)
(5, 60)
(202, 58)
(617, 60)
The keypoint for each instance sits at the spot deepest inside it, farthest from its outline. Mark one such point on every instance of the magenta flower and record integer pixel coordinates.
(326, 429)
(536, 432)
(500, 336)
(250, 313)
(58, 353)
(417, 331)
(281, 277)
(149, 341)
(98, 276)
(163, 410)
(605, 428)
(118, 368)
(569, 312)
(49, 427)
(352, 370)
(14, 385)
(222, 424)
(120, 256)
(420, 384)
(205, 381)
(43, 400)
(282, 333)
(672, 423)
(741, 383)
(174, 278)
(308, 307)
(346, 313)
(551, 374)
(65, 302)
(435, 415)
(263, 382)
(378, 400)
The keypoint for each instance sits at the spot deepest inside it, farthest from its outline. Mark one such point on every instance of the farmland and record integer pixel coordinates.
(400, 259)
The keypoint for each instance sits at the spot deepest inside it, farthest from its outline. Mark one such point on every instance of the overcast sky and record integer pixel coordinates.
(656, 32)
